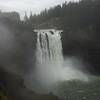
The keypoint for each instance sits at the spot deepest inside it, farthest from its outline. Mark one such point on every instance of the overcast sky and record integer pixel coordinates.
(28, 5)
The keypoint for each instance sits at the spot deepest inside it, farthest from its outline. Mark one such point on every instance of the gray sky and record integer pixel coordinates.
(28, 5)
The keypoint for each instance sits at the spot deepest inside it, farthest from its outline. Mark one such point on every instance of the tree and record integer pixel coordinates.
(25, 17)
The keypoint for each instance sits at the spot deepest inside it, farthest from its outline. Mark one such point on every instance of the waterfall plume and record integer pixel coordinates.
(51, 66)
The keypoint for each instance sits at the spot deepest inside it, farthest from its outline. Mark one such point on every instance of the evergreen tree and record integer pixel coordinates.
(25, 17)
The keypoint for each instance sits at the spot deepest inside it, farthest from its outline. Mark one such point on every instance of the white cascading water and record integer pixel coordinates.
(51, 66)
(49, 55)
(49, 47)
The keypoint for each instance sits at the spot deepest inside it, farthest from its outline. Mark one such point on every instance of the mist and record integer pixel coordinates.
(51, 66)
(7, 46)
(43, 80)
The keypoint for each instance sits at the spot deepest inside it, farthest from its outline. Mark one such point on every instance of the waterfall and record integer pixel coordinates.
(51, 67)
(49, 56)
(49, 47)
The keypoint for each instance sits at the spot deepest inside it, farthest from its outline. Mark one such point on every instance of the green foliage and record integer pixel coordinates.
(72, 15)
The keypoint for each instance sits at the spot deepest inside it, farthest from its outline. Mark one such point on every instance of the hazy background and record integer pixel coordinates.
(23, 6)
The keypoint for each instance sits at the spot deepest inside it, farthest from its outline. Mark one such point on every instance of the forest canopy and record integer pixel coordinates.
(80, 22)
